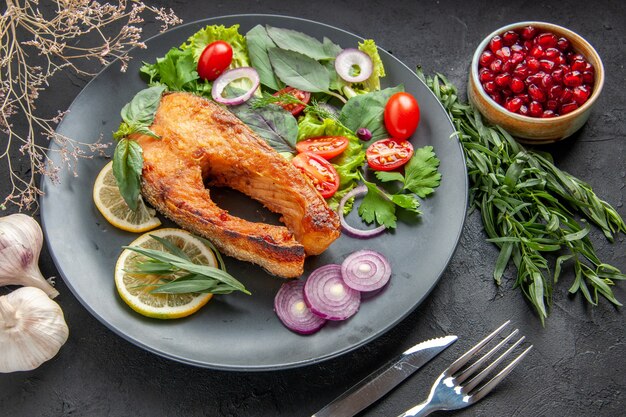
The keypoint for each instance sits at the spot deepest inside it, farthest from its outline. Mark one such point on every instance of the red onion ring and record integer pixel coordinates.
(328, 296)
(293, 312)
(229, 76)
(365, 270)
(349, 58)
(353, 231)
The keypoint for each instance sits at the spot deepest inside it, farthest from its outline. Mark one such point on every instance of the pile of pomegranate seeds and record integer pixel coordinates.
(534, 73)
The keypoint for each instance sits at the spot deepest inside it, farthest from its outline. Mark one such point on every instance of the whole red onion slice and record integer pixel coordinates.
(350, 58)
(366, 270)
(293, 312)
(353, 231)
(328, 296)
(229, 76)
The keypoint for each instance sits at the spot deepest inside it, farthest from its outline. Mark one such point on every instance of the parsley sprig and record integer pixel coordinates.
(529, 209)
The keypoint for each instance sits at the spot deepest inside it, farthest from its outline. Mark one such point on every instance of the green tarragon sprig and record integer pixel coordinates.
(529, 207)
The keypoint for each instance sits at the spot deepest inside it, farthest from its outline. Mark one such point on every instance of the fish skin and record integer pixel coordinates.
(203, 143)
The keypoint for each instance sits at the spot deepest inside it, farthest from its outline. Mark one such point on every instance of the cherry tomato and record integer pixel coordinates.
(320, 171)
(303, 96)
(402, 115)
(327, 147)
(215, 58)
(388, 154)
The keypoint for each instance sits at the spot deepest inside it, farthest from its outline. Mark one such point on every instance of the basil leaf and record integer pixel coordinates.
(299, 71)
(295, 41)
(367, 110)
(127, 166)
(331, 48)
(142, 108)
(258, 44)
(273, 123)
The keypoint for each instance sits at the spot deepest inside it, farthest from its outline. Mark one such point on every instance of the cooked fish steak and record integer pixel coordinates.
(200, 142)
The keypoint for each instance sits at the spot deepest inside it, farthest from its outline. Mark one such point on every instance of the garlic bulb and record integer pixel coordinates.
(21, 239)
(32, 329)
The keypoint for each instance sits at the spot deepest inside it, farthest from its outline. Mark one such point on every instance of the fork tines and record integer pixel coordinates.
(460, 372)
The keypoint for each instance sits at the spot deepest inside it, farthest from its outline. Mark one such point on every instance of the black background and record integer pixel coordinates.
(578, 366)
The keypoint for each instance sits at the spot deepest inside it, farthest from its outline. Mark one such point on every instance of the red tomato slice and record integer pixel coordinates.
(215, 58)
(327, 147)
(388, 154)
(320, 171)
(303, 96)
(402, 115)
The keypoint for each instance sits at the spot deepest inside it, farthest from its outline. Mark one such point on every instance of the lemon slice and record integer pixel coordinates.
(135, 289)
(111, 204)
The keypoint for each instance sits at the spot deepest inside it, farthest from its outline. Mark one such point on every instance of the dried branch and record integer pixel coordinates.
(33, 48)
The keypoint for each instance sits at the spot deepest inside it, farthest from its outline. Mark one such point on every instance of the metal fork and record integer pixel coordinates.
(452, 390)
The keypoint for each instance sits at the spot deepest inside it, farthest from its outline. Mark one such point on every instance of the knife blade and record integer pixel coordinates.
(384, 379)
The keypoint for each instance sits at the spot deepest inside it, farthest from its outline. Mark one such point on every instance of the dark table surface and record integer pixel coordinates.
(577, 367)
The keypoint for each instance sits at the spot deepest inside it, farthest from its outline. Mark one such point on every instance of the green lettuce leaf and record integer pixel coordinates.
(373, 82)
(199, 40)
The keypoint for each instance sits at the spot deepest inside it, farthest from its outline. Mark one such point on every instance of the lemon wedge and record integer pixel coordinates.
(112, 206)
(135, 289)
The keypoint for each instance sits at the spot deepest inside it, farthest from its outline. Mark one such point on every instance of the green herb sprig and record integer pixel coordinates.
(529, 207)
(181, 274)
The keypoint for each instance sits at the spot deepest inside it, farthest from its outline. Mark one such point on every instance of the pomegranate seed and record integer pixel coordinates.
(563, 44)
(485, 58)
(495, 43)
(517, 48)
(503, 80)
(535, 78)
(547, 114)
(537, 51)
(528, 32)
(547, 40)
(497, 97)
(578, 65)
(567, 95)
(573, 79)
(523, 110)
(547, 81)
(524, 97)
(560, 60)
(568, 107)
(589, 68)
(490, 87)
(517, 85)
(510, 37)
(547, 65)
(552, 105)
(555, 92)
(571, 57)
(581, 94)
(535, 109)
(552, 53)
(588, 77)
(516, 57)
(533, 65)
(504, 53)
(521, 71)
(557, 75)
(513, 104)
(528, 45)
(507, 93)
(496, 65)
(485, 75)
(508, 67)
(536, 93)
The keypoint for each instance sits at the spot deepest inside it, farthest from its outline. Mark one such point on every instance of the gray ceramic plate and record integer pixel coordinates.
(239, 332)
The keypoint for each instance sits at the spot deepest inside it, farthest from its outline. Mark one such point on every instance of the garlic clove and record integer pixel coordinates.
(32, 329)
(21, 240)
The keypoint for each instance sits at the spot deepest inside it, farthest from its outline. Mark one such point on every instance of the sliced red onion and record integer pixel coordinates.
(365, 270)
(228, 77)
(328, 296)
(350, 58)
(353, 231)
(291, 309)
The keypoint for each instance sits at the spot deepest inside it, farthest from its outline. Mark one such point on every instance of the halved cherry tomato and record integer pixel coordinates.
(327, 147)
(303, 96)
(388, 154)
(215, 58)
(320, 171)
(402, 115)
